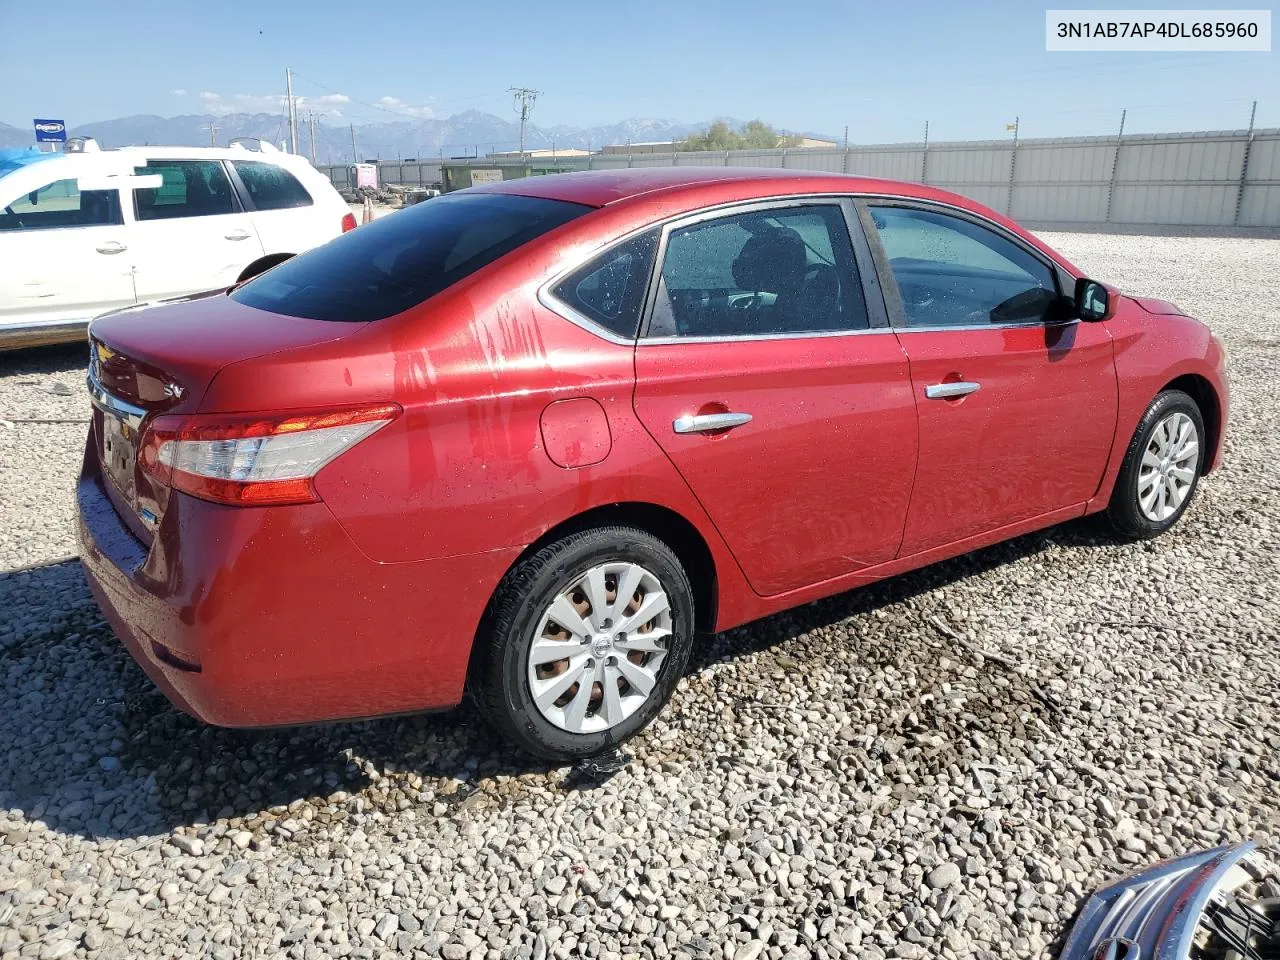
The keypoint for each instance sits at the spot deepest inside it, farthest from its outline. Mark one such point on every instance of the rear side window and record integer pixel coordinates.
(190, 188)
(395, 263)
(62, 204)
(609, 290)
(271, 187)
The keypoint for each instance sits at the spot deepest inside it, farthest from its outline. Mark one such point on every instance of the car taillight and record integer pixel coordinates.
(348, 222)
(254, 460)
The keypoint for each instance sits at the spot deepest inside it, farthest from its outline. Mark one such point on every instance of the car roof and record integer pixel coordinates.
(113, 157)
(121, 160)
(598, 188)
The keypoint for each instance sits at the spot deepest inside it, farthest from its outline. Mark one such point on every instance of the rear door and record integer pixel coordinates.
(191, 232)
(1017, 399)
(65, 253)
(768, 374)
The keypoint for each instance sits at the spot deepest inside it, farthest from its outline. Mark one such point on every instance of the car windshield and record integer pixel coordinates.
(388, 266)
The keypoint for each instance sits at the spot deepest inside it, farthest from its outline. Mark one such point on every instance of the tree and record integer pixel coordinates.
(755, 135)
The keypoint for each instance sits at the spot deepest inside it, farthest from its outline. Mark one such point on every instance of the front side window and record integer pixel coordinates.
(190, 188)
(62, 204)
(953, 272)
(271, 187)
(395, 263)
(609, 289)
(788, 270)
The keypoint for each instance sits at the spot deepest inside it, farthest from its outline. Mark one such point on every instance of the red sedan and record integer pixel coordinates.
(528, 439)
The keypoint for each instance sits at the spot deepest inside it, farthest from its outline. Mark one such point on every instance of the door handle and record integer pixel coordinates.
(946, 391)
(238, 235)
(709, 422)
(112, 246)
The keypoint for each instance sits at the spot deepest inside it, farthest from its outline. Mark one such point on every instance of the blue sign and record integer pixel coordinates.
(50, 131)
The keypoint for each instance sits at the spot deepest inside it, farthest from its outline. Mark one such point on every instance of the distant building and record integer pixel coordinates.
(673, 146)
(540, 154)
(643, 146)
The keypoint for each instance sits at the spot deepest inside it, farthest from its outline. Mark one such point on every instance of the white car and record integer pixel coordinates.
(94, 230)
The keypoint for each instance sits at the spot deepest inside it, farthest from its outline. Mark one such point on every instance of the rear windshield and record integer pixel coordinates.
(392, 264)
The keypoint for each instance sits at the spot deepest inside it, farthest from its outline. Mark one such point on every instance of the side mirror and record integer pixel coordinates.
(1093, 300)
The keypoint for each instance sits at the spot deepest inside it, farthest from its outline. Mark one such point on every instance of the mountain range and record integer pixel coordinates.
(463, 134)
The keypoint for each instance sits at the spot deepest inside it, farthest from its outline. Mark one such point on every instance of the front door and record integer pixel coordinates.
(66, 254)
(783, 404)
(1017, 400)
(191, 232)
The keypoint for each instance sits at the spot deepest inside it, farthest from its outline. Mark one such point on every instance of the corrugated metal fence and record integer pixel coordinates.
(1222, 178)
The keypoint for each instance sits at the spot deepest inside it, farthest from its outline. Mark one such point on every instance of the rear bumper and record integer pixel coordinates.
(250, 617)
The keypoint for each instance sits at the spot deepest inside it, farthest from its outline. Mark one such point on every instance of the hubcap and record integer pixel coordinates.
(1168, 467)
(599, 646)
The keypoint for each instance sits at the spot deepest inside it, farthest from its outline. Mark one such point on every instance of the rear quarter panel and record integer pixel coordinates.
(465, 468)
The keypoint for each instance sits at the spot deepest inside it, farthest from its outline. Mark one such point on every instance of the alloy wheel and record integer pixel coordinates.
(1168, 468)
(597, 650)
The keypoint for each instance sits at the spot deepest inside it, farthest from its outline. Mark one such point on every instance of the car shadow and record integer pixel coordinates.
(57, 358)
(90, 747)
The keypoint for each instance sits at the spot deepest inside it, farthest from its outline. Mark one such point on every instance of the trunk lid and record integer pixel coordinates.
(160, 360)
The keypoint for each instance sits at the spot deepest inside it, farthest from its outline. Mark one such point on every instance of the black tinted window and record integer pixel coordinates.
(787, 270)
(610, 289)
(953, 272)
(62, 204)
(394, 263)
(190, 188)
(271, 187)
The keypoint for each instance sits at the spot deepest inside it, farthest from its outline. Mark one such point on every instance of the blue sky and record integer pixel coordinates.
(882, 68)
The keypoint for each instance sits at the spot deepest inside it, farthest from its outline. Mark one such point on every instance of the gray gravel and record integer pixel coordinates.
(854, 778)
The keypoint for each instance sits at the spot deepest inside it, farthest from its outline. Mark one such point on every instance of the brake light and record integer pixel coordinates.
(348, 222)
(255, 460)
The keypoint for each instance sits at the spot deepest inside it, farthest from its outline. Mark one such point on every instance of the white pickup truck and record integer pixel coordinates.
(94, 230)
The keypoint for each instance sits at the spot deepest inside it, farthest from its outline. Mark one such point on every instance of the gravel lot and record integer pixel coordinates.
(849, 779)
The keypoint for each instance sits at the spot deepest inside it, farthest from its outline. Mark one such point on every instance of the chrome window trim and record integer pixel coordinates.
(747, 337)
(561, 309)
(548, 299)
(1030, 325)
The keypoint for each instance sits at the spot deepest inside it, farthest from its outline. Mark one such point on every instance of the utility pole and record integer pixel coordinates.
(293, 111)
(1115, 164)
(213, 134)
(524, 98)
(355, 157)
(846, 136)
(1013, 166)
(924, 156)
(1244, 165)
(311, 122)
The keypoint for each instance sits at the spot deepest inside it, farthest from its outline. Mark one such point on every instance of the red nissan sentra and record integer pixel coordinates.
(528, 438)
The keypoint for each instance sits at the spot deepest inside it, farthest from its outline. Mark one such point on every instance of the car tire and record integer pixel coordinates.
(1161, 469)
(546, 706)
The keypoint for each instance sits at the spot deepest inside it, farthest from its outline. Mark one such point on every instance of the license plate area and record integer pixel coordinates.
(120, 455)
